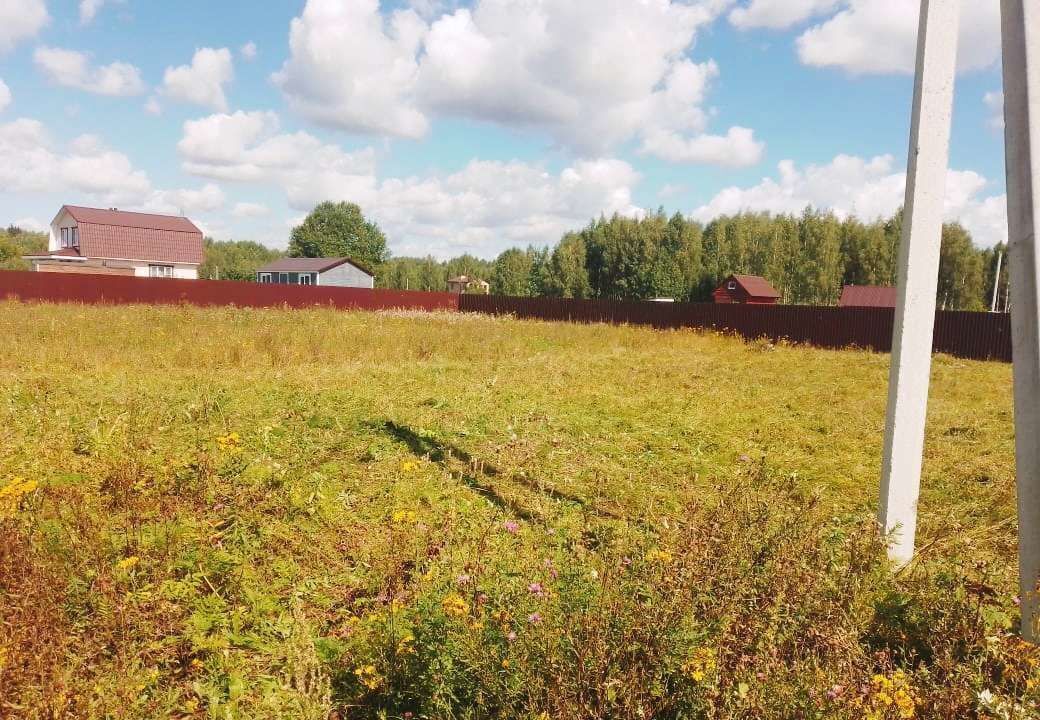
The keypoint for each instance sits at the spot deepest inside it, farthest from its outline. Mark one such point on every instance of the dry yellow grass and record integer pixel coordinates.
(220, 488)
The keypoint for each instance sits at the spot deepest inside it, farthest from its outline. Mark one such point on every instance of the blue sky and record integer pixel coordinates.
(475, 126)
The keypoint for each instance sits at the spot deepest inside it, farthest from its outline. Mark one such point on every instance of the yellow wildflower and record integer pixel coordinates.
(409, 466)
(658, 556)
(404, 517)
(454, 606)
(127, 563)
(230, 443)
(12, 493)
(892, 692)
(367, 676)
(700, 663)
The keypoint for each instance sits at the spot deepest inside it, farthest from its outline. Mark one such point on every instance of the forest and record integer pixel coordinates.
(807, 257)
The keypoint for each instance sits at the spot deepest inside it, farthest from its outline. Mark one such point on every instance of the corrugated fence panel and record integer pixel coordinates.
(971, 335)
(112, 289)
(980, 336)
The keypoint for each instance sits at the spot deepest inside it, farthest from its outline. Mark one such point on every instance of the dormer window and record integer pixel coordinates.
(70, 237)
(731, 285)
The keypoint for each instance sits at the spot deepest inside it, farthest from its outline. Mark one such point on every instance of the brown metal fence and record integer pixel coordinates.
(120, 290)
(978, 336)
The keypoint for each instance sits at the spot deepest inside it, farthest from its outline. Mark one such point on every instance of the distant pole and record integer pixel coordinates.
(996, 282)
(1021, 40)
(918, 274)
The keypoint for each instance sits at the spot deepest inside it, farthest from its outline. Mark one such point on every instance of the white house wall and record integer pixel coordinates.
(346, 275)
(181, 271)
(64, 220)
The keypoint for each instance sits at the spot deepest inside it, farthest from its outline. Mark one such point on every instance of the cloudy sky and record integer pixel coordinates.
(475, 125)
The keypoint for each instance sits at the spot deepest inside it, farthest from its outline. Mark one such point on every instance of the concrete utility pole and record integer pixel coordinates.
(918, 273)
(1021, 40)
(996, 283)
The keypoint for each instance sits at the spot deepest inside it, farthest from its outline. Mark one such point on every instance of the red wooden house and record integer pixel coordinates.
(746, 290)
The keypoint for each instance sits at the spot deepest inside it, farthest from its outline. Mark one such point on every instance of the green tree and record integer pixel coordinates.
(564, 273)
(339, 230)
(961, 281)
(511, 273)
(16, 242)
(234, 259)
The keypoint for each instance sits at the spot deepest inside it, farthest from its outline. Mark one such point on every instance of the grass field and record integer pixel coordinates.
(266, 514)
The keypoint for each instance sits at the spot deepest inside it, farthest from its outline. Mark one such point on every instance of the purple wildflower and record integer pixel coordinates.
(511, 527)
(534, 618)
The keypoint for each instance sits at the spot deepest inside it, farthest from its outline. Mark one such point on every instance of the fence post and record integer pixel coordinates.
(1021, 40)
(918, 274)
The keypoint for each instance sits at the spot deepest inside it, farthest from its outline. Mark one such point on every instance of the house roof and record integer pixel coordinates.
(754, 285)
(136, 236)
(864, 296)
(304, 264)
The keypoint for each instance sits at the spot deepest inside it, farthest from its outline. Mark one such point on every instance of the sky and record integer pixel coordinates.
(477, 125)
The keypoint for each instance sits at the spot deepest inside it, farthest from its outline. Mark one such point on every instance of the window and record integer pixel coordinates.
(160, 271)
(731, 285)
(265, 277)
(283, 278)
(64, 237)
(74, 237)
(305, 278)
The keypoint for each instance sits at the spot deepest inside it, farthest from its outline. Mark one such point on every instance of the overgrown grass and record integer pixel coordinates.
(266, 514)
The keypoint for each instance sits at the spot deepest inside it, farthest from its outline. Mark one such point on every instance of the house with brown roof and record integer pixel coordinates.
(868, 296)
(465, 284)
(330, 272)
(114, 242)
(746, 290)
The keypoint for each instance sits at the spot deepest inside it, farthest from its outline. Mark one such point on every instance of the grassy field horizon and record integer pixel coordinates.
(271, 513)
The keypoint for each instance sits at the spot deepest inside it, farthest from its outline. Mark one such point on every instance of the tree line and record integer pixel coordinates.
(807, 257)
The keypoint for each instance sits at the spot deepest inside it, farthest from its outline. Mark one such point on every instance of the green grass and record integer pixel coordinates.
(291, 514)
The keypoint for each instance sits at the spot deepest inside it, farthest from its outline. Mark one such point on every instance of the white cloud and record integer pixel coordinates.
(995, 104)
(868, 189)
(350, 68)
(737, 148)
(20, 20)
(5, 95)
(246, 147)
(779, 14)
(34, 162)
(86, 170)
(880, 36)
(537, 65)
(152, 107)
(482, 208)
(88, 9)
(31, 224)
(202, 82)
(72, 69)
(248, 51)
(185, 201)
(489, 206)
(248, 210)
